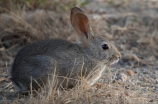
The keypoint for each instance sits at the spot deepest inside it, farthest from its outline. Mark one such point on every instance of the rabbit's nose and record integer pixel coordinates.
(118, 55)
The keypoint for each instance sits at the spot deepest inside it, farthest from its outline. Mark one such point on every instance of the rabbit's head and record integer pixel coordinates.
(97, 48)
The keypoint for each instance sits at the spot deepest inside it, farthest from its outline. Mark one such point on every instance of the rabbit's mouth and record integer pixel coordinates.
(114, 61)
(111, 61)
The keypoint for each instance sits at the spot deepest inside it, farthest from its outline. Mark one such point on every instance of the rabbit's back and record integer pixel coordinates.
(46, 47)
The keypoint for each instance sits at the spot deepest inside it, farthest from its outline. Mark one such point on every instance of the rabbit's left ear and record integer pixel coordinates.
(74, 11)
(81, 25)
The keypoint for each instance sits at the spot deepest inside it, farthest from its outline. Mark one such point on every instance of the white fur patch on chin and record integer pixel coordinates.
(113, 62)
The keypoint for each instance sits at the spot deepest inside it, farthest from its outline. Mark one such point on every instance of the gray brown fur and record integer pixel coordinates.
(38, 60)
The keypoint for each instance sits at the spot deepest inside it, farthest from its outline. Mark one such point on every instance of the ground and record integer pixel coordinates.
(132, 25)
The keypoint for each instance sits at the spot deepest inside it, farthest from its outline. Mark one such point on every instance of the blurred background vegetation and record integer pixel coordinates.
(57, 5)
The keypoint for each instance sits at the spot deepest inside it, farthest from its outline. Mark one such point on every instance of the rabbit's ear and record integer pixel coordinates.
(81, 25)
(74, 11)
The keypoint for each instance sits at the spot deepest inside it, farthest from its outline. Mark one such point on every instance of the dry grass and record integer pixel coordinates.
(131, 25)
(111, 92)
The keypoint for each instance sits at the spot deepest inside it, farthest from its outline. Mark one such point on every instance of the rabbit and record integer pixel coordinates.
(89, 58)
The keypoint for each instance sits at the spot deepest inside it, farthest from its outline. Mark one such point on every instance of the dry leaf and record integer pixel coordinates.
(129, 72)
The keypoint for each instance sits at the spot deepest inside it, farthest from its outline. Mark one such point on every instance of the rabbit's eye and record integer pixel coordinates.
(105, 46)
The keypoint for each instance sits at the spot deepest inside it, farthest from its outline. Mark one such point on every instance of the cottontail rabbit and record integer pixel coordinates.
(62, 58)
